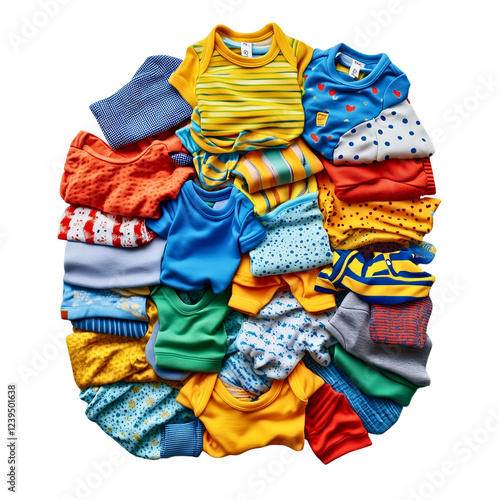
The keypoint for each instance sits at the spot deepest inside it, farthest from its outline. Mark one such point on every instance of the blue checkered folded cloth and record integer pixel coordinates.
(377, 414)
(145, 106)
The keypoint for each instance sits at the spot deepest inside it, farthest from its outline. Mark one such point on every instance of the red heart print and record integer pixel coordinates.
(375, 90)
(396, 93)
(305, 77)
(314, 137)
(350, 109)
(321, 86)
(332, 92)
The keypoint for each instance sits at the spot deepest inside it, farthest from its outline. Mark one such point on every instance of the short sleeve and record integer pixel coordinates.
(196, 392)
(304, 56)
(252, 232)
(185, 77)
(304, 382)
(397, 91)
(332, 427)
(162, 225)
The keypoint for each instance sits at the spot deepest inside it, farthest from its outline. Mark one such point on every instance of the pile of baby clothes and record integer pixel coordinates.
(242, 264)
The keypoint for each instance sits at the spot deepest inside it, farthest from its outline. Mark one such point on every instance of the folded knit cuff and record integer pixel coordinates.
(182, 440)
(431, 185)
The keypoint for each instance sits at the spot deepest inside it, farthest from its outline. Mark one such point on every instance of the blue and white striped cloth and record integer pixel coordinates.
(122, 327)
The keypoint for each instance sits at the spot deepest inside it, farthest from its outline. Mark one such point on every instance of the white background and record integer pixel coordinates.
(446, 445)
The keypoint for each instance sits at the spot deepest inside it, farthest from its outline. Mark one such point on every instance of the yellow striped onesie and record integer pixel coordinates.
(243, 103)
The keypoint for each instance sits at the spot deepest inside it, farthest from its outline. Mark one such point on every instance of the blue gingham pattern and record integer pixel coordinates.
(377, 414)
(145, 106)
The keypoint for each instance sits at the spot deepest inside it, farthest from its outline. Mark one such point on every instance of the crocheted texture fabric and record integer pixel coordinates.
(403, 324)
(132, 186)
(146, 105)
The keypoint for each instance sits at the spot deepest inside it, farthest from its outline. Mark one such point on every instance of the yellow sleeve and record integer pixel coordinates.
(304, 382)
(196, 392)
(185, 76)
(304, 55)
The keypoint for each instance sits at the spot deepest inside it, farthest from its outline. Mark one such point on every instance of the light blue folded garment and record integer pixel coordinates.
(102, 267)
(79, 303)
(145, 419)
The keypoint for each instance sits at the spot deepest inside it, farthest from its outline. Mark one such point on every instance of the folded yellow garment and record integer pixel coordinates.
(353, 225)
(100, 358)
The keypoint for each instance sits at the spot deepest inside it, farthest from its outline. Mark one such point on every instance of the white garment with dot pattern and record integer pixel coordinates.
(395, 133)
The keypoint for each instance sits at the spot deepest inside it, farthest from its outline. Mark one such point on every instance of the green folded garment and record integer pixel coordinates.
(372, 381)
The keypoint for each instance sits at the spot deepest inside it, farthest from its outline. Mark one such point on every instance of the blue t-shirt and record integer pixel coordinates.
(204, 242)
(334, 102)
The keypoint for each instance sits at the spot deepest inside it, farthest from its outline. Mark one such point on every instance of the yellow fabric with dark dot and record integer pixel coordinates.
(100, 358)
(353, 225)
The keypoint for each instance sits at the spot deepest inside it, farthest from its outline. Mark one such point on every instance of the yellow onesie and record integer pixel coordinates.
(233, 426)
(243, 102)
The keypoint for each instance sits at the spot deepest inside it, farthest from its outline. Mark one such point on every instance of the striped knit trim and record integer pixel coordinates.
(123, 328)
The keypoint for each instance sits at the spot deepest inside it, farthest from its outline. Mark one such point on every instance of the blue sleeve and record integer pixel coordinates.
(162, 225)
(252, 232)
(397, 91)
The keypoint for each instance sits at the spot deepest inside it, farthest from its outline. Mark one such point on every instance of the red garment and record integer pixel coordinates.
(332, 427)
(132, 181)
(388, 180)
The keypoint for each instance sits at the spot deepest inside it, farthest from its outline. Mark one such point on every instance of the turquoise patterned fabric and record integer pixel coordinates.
(134, 415)
(295, 239)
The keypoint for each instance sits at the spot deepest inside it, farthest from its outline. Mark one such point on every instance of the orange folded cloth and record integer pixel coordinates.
(132, 182)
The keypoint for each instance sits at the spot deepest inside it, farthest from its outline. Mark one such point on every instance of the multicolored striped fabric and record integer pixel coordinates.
(388, 278)
(268, 199)
(243, 103)
(265, 169)
(260, 172)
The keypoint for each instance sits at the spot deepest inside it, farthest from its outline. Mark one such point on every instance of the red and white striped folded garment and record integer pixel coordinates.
(90, 225)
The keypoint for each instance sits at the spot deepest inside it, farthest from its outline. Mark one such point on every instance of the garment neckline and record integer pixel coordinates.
(267, 31)
(198, 196)
(262, 402)
(381, 62)
(180, 305)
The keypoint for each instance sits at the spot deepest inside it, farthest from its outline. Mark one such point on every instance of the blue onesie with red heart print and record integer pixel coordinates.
(357, 109)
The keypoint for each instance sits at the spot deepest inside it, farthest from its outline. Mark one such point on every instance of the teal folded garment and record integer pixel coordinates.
(145, 419)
